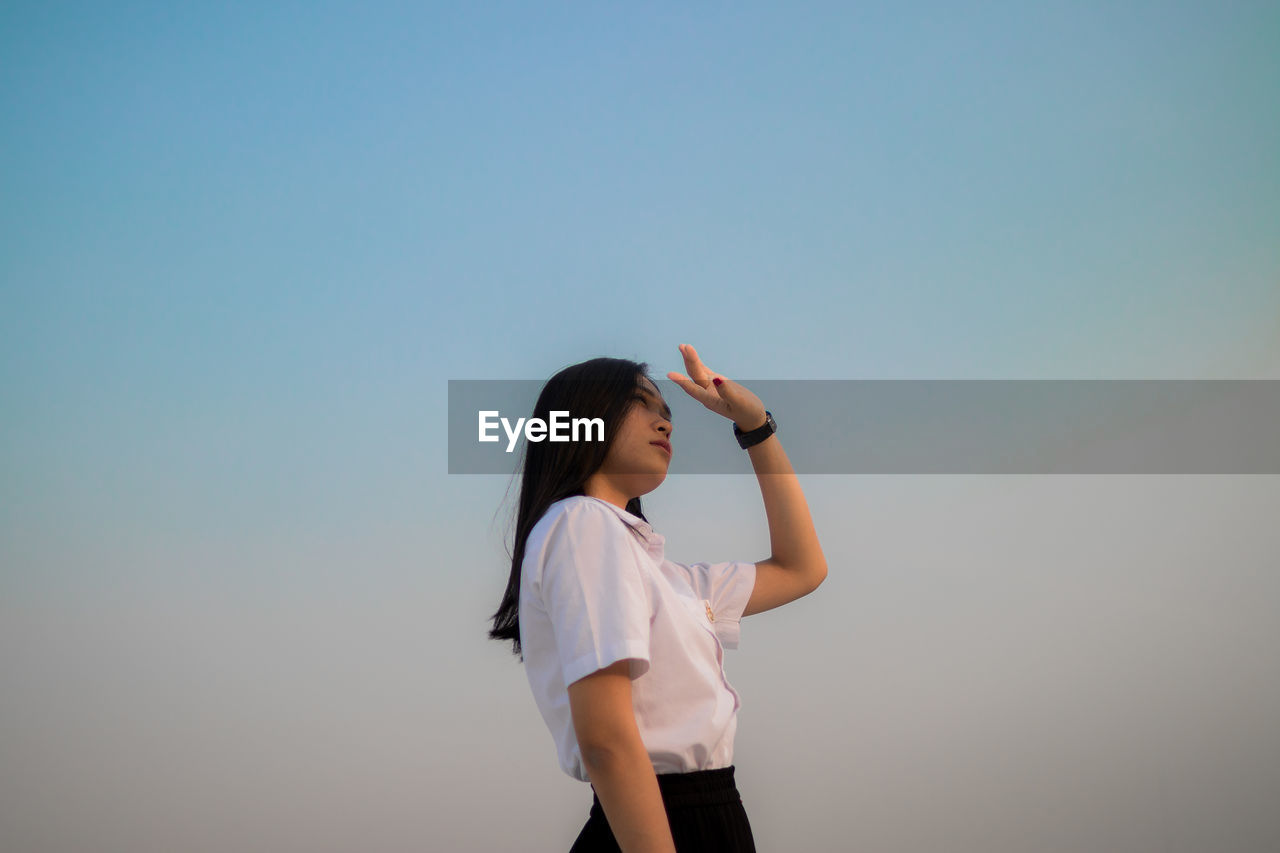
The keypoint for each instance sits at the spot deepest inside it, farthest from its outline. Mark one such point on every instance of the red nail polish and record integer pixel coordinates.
(717, 380)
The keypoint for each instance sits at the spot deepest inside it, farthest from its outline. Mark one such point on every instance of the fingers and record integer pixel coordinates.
(704, 384)
(698, 371)
(696, 391)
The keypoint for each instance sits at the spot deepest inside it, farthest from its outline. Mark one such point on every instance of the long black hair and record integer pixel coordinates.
(551, 471)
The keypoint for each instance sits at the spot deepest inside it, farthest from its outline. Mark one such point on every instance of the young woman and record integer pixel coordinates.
(623, 648)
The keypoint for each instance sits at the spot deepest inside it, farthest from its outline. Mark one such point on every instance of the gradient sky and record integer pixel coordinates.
(242, 605)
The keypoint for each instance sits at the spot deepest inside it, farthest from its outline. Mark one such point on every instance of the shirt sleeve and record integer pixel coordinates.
(727, 588)
(594, 591)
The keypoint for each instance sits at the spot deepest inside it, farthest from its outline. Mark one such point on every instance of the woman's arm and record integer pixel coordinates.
(617, 762)
(797, 565)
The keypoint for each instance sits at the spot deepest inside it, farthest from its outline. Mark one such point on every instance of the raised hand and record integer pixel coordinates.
(719, 394)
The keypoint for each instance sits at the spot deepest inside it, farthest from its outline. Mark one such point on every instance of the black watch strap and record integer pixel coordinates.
(750, 439)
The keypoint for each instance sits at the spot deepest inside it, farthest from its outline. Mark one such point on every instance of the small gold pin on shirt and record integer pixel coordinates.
(711, 617)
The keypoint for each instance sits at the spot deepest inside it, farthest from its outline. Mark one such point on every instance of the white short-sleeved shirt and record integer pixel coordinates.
(595, 588)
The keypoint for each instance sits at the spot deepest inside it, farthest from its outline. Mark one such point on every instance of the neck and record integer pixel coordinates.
(599, 487)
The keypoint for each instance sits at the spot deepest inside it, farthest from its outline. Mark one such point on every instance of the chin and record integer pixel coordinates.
(640, 485)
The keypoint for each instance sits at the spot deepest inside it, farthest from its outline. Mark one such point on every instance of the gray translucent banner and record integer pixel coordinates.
(937, 426)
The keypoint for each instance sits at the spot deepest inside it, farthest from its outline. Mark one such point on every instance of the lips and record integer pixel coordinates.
(664, 445)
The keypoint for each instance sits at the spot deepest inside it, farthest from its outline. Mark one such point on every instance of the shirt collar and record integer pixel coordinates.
(654, 542)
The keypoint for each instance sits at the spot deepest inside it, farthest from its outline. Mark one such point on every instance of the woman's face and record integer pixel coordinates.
(637, 461)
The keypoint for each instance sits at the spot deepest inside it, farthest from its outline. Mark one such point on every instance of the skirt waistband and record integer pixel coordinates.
(696, 788)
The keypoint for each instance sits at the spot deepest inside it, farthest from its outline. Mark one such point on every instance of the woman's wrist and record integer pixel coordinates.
(750, 438)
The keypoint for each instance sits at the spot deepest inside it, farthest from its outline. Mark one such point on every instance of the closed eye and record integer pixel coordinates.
(656, 409)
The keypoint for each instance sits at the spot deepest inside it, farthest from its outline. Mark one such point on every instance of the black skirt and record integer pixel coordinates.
(704, 809)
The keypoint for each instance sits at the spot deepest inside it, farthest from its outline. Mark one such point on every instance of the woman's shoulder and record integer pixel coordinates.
(576, 509)
(575, 521)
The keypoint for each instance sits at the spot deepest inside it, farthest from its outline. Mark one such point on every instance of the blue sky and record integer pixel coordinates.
(246, 246)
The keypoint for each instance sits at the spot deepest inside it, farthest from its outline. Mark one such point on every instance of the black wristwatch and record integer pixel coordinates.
(750, 439)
